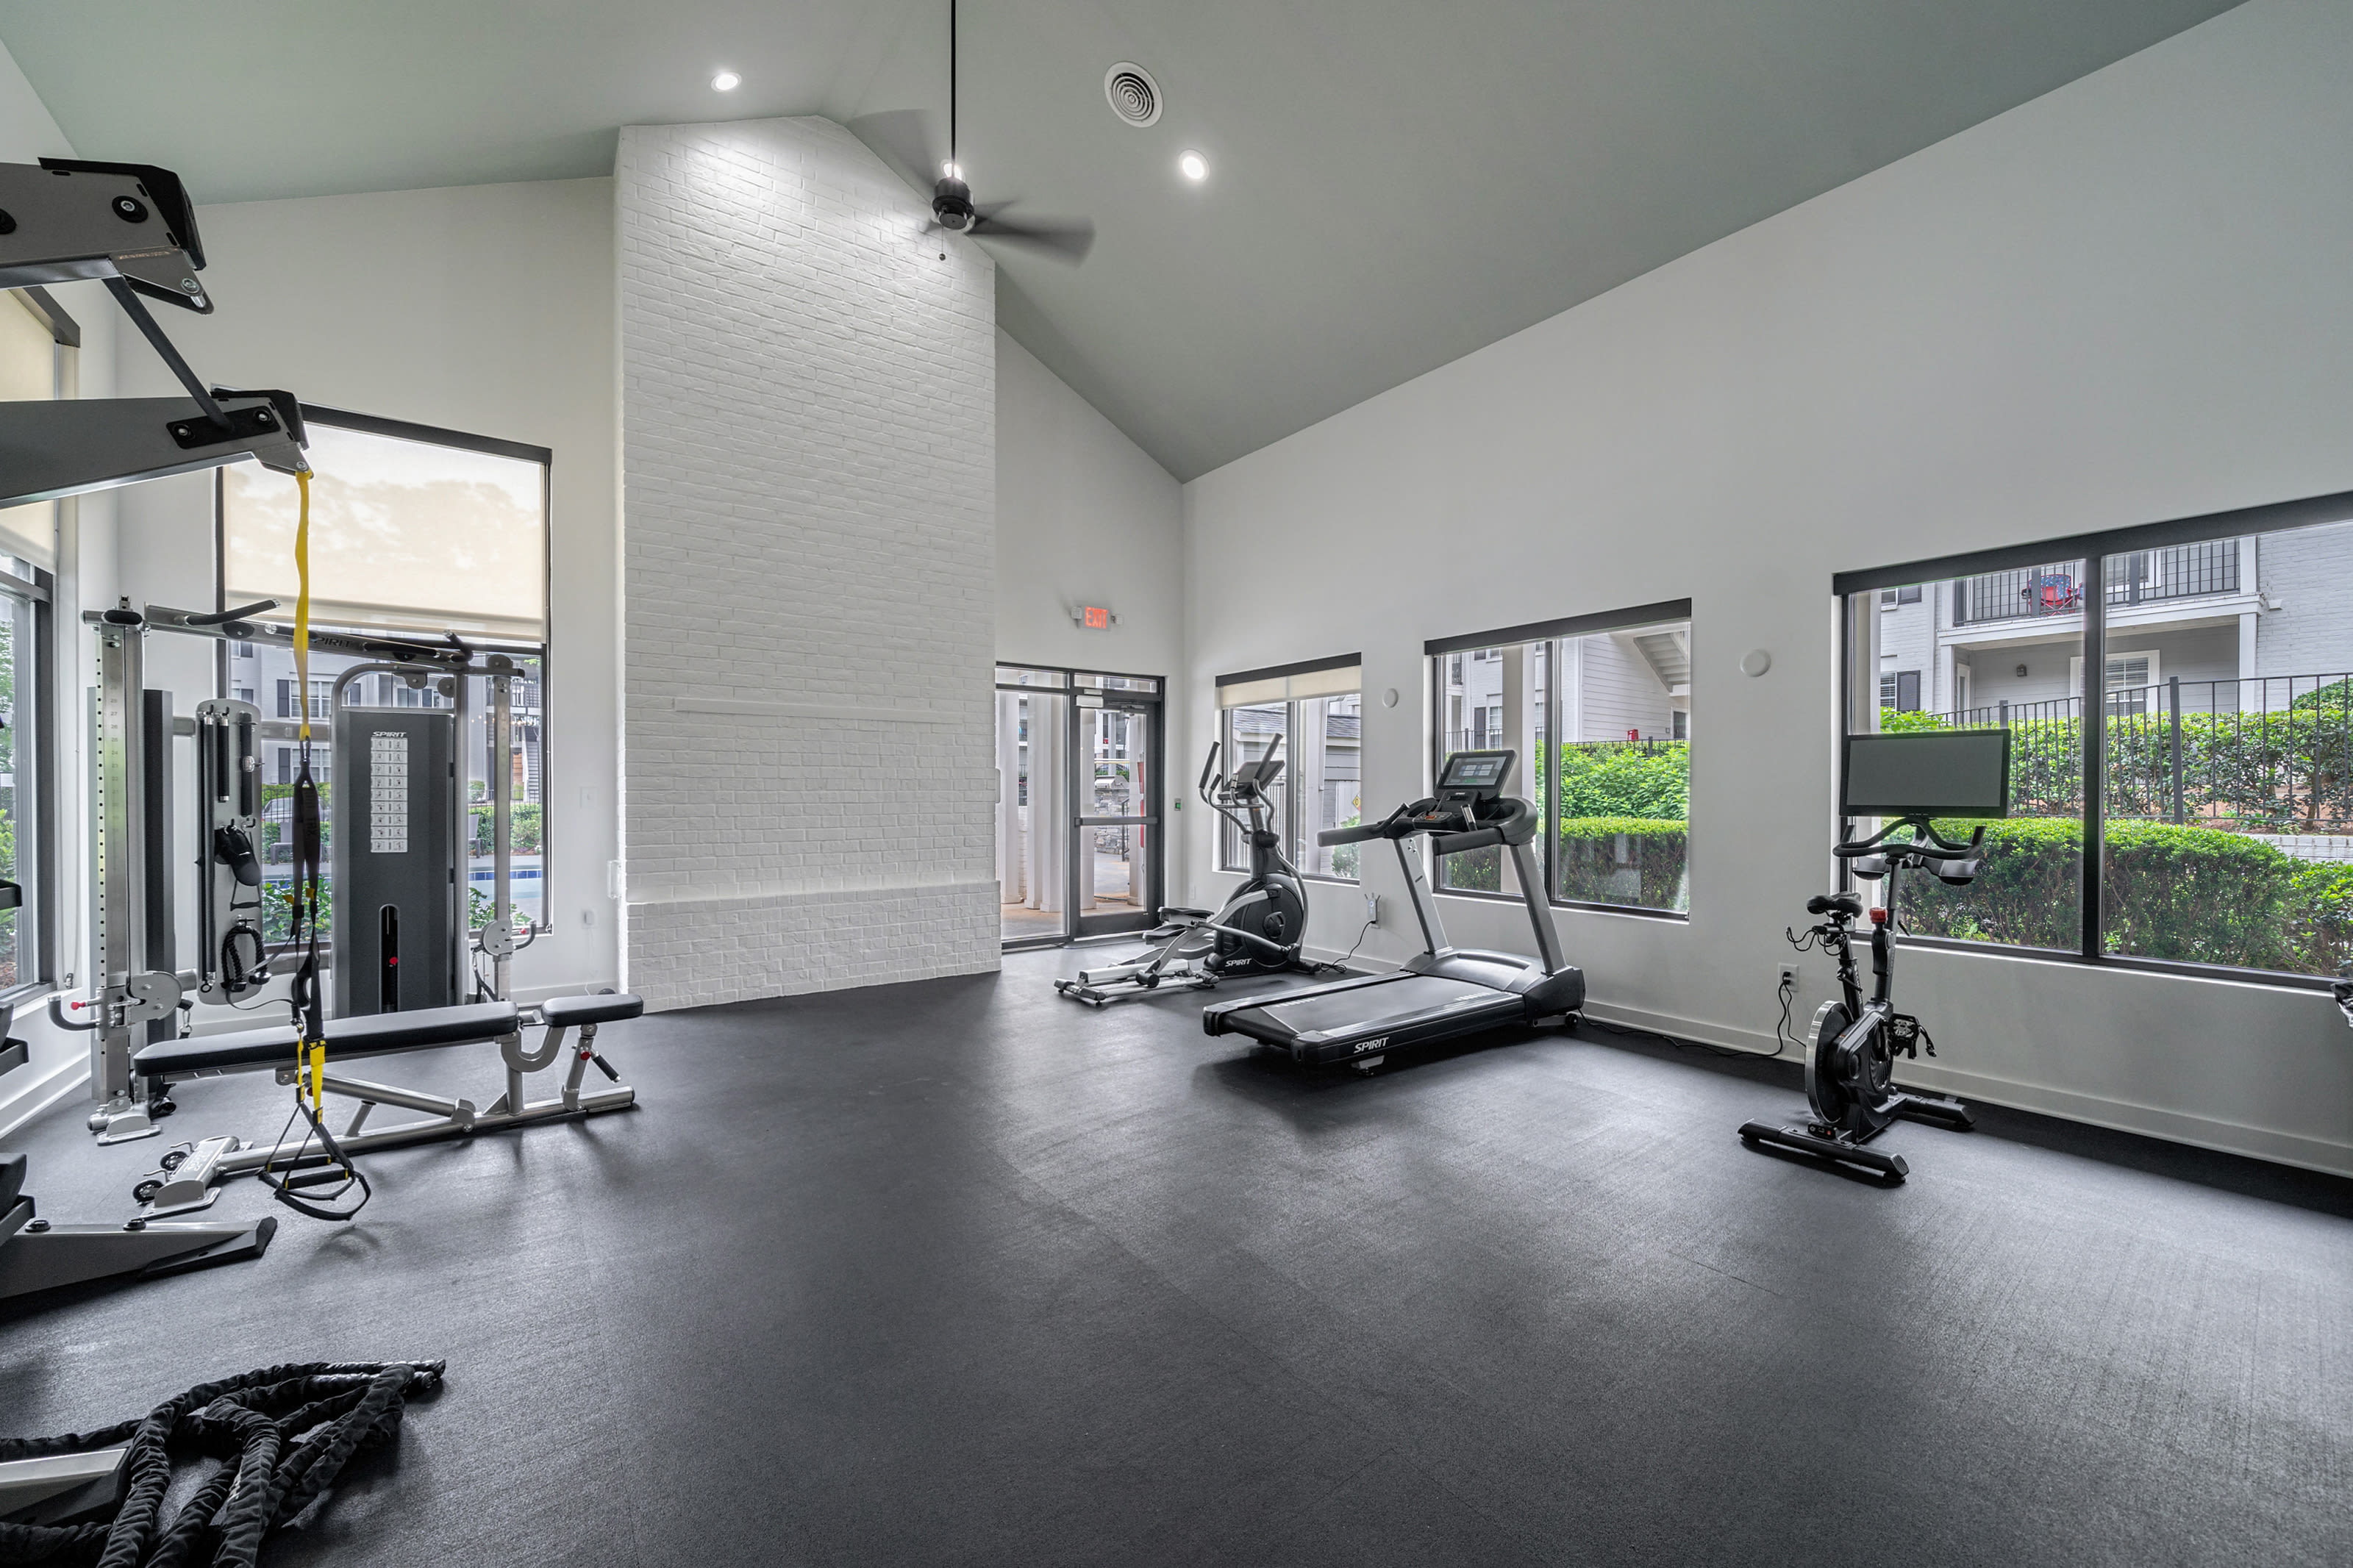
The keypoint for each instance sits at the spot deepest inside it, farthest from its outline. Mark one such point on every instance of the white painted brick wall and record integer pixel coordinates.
(808, 455)
(2307, 570)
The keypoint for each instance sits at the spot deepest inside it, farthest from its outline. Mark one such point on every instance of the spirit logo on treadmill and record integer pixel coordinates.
(1372, 1045)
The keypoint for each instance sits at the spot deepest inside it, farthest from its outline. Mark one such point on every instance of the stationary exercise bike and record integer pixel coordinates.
(1851, 1069)
(1259, 930)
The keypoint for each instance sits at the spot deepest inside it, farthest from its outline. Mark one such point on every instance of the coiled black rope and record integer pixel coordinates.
(288, 1430)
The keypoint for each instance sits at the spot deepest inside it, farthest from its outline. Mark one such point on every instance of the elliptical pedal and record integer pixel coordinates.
(1262, 930)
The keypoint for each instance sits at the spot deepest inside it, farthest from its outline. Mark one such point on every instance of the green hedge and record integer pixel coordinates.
(1631, 861)
(2287, 771)
(525, 828)
(2194, 895)
(1631, 779)
(1634, 860)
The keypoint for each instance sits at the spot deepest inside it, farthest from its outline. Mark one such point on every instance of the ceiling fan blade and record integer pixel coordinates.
(905, 137)
(1067, 241)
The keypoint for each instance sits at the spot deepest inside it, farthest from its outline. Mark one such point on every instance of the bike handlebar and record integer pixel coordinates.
(1927, 840)
(1207, 768)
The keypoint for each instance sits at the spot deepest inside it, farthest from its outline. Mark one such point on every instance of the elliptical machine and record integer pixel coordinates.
(1258, 931)
(1850, 1065)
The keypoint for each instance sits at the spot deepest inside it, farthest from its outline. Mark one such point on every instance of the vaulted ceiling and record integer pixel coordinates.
(1393, 182)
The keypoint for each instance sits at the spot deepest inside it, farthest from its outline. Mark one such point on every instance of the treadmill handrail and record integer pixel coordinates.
(1361, 834)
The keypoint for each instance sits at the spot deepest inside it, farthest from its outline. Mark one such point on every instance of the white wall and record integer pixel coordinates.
(2124, 301)
(484, 309)
(1084, 516)
(810, 445)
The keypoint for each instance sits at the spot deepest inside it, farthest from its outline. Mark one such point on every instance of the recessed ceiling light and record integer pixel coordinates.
(726, 81)
(1192, 165)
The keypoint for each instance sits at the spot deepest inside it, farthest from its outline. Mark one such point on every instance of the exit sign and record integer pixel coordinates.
(1094, 617)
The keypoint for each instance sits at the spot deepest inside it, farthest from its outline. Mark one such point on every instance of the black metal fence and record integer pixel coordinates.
(2262, 754)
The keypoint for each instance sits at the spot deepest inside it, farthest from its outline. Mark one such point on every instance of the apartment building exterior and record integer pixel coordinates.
(2224, 624)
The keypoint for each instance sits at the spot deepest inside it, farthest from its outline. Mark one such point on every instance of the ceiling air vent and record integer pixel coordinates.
(1134, 96)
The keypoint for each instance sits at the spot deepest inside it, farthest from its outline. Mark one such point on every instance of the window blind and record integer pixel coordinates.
(405, 534)
(1291, 682)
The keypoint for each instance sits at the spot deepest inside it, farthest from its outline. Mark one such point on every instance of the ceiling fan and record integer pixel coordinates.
(906, 135)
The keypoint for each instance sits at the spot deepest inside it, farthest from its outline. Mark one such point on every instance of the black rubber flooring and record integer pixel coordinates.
(961, 1272)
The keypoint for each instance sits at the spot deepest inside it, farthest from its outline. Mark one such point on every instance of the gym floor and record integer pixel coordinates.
(961, 1272)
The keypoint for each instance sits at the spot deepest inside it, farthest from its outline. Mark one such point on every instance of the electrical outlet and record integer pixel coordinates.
(1788, 978)
(1372, 909)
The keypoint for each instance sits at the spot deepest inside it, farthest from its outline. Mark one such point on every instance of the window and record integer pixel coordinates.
(1599, 709)
(38, 345)
(2212, 768)
(412, 530)
(1900, 690)
(1892, 597)
(322, 693)
(23, 614)
(1317, 711)
(37, 350)
(244, 693)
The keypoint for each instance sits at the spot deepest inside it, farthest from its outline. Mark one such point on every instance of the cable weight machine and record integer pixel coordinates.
(402, 937)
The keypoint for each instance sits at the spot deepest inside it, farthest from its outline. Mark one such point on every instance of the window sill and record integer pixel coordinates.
(16, 996)
(2271, 979)
(1303, 876)
(1514, 899)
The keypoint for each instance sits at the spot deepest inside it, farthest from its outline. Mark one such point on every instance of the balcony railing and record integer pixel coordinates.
(2142, 578)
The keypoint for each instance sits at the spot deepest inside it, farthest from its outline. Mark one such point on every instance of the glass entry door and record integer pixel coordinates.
(1079, 803)
(1033, 808)
(1116, 864)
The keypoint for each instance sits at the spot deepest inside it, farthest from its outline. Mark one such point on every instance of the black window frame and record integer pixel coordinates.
(544, 651)
(2095, 550)
(38, 874)
(1438, 652)
(1293, 827)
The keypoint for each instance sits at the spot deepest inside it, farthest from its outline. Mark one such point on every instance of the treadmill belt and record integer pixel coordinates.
(1372, 1009)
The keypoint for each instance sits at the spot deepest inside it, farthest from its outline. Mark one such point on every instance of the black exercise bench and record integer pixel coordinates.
(190, 1182)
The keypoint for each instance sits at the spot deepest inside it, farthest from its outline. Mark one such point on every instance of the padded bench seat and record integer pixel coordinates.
(567, 1012)
(365, 1034)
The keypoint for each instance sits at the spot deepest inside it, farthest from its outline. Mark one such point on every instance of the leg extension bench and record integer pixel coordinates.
(188, 1181)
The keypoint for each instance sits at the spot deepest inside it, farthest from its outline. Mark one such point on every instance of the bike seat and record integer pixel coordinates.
(1846, 904)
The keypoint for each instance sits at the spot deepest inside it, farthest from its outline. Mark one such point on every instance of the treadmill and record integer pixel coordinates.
(1443, 991)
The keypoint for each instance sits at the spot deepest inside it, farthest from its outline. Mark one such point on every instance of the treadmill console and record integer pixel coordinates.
(1469, 780)
(1481, 773)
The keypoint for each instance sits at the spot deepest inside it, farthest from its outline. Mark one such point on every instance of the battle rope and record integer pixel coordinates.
(288, 1430)
(306, 1170)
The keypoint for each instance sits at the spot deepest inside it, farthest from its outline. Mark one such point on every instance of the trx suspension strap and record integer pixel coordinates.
(331, 1166)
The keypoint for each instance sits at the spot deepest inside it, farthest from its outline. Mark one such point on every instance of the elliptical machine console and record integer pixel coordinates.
(1258, 932)
(1851, 1061)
